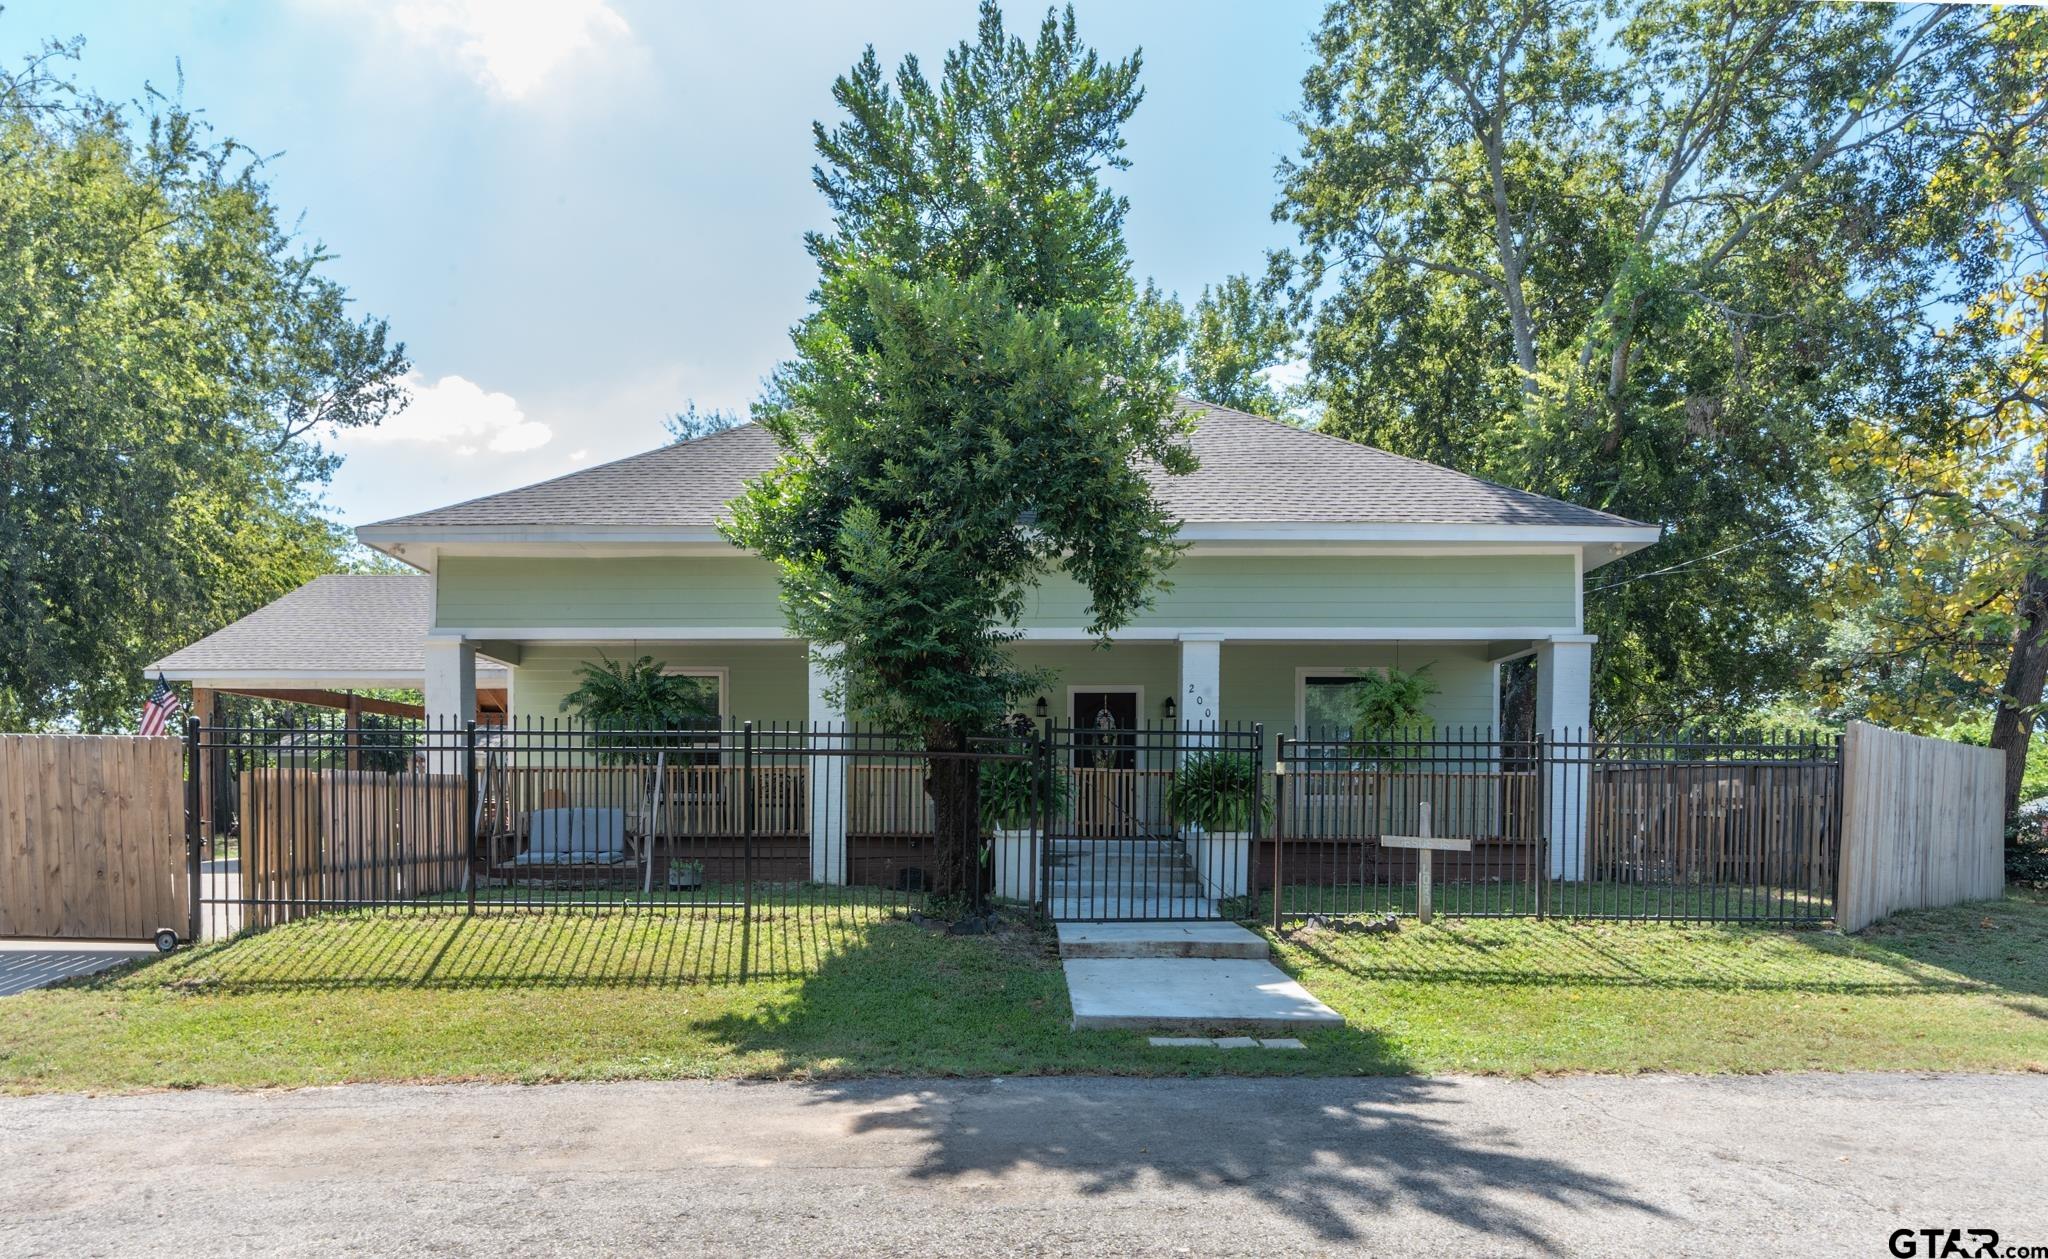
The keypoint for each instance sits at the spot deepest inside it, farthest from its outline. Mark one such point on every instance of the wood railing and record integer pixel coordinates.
(689, 801)
(1365, 804)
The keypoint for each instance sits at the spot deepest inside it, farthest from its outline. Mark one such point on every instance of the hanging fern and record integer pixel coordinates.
(637, 700)
(1393, 700)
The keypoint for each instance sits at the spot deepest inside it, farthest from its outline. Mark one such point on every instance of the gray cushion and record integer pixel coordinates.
(580, 837)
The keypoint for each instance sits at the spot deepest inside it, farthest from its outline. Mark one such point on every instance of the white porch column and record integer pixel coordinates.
(1564, 715)
(451, 699)
(1200, 698)
(828, 774)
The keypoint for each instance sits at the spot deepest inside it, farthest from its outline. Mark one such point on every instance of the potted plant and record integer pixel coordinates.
(1212, 797)
(1011, 795)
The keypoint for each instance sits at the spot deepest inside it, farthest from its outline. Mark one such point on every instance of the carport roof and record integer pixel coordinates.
(347, 629)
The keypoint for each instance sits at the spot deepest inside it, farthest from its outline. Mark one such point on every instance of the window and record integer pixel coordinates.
(1326, 704)
(705, 711)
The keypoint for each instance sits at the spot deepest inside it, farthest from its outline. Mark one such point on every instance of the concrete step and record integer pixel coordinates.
(1191, 994)
(1121, 908)
(1161, 939)
(1128, 891)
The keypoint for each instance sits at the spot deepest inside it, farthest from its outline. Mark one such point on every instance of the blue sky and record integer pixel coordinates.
(580, 213)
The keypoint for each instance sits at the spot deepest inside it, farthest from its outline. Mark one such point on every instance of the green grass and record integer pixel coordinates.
(1679, 901)
(838, 991)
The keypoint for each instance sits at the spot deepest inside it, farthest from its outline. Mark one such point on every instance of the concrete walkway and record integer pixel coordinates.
(26, 964)
(1182, 977)
(1584, 1166)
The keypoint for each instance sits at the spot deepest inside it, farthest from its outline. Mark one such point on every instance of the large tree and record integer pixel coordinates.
(1941, 584)
(169, 356)
(971, 397)
(1656, 263)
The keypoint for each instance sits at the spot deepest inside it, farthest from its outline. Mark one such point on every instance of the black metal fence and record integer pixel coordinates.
(786, 833)
(1570, 825)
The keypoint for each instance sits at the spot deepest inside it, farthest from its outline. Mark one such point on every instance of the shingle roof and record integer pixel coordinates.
(1253, 470)
(367, 623)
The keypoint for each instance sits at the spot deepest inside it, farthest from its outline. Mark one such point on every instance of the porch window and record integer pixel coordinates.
(1327, 703)
(706, 712)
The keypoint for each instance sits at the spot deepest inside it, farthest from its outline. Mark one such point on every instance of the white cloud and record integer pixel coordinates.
(511, 47)
(458, 415)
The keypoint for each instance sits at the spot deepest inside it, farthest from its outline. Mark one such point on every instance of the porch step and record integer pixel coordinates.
(1161, 939)
(1190, 994)
(1126, 906)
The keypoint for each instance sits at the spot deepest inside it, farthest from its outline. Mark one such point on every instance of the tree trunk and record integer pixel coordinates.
(2012, 724)
(954, 784)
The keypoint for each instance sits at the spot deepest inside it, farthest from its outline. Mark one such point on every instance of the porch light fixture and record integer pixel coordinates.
(1169, 709)
(1042, 709)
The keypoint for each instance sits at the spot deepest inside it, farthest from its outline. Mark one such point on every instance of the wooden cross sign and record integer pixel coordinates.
(1430, 846)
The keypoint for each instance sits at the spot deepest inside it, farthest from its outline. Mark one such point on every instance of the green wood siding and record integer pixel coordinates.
(686, 592)
(768, 681)
(1217, 592)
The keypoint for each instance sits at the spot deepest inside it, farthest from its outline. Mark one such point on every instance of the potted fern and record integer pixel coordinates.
(1010, 796)
(1213, 797)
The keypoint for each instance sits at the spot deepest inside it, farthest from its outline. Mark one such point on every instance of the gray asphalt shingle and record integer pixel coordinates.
(372, 623)
(1253, 470)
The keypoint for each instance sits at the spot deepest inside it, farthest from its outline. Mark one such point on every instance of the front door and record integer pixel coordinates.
(1104, 722)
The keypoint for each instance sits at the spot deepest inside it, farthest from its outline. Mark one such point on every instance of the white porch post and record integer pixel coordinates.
(827, 774)
(1564, 713)
(451, 697)
(1201, 681)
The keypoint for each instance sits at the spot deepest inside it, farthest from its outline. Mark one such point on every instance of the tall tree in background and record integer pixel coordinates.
(971, 395)
(1653, 265)
(168, 356)
(1226, 345)
(1942, 586)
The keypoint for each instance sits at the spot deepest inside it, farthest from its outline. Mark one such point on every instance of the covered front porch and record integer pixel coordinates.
(835, 819)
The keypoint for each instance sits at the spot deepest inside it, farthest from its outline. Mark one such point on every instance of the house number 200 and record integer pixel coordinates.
(1198, 705)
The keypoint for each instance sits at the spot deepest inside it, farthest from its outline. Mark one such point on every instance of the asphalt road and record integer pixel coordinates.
(1581, 1166)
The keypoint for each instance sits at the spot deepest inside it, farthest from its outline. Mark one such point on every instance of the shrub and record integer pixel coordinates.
(1215, 791)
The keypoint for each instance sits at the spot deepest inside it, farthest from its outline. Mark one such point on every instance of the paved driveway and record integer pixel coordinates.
(26, 964)
(1587, 1166)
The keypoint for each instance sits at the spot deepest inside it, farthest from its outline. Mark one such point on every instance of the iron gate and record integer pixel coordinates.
(1152, 822)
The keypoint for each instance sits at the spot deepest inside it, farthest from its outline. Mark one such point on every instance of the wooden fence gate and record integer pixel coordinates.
(92, 836)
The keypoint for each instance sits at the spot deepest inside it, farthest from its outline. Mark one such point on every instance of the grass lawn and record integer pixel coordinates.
(611, 995)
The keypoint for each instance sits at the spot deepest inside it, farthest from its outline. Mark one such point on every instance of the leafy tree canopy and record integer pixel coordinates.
(169, 357)
(972, 393)
(1224, 347)
(1656, 261)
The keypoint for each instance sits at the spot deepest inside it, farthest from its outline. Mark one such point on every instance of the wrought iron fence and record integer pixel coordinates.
(786, 834)
(1568, 825)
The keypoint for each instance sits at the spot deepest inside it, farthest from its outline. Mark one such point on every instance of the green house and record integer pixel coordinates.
(1309, 559)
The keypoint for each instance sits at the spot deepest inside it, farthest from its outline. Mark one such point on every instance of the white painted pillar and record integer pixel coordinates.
(450, 687)
(1564, 715)
(828, 774)
(1200, 698)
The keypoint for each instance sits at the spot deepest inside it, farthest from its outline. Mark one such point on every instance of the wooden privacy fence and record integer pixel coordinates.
(324, 838)
(1752, 822)
(1922, 824)
(92, 836)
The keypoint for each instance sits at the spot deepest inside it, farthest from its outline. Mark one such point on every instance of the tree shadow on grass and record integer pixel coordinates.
(507, 949)
(1329, 1156)
(1965, 949)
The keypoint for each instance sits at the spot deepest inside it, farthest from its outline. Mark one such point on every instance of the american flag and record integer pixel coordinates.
(162, 706)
